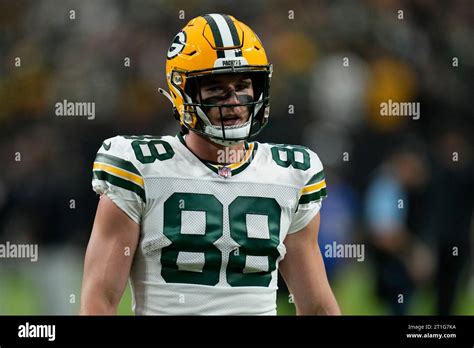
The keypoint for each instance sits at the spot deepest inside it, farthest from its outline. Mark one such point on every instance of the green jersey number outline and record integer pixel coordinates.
(290, 156)
(151, 142)
(204, 243)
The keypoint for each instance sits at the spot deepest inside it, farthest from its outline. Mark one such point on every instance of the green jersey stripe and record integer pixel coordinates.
(122, 183)
(315, 196)
(117, 162)
(316, 178)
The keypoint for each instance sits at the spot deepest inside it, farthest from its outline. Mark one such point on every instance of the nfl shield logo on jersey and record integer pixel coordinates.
(225, 172)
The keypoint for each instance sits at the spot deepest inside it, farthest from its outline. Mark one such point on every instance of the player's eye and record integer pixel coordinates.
(243, 85)
(215, 99)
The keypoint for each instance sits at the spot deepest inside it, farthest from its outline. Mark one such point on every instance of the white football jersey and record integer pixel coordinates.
(211, 237)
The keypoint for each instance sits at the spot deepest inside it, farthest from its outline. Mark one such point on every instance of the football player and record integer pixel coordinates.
(201, 222)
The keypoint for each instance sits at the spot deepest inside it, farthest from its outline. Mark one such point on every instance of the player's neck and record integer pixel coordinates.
(208, 151)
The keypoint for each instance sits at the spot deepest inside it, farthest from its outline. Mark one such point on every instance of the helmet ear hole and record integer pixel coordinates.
(191, 88)
(258, 83)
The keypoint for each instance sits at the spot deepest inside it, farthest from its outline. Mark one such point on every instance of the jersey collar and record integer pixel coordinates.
(232, 169)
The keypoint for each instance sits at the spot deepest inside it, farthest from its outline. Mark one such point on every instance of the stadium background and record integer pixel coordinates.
(422, 54)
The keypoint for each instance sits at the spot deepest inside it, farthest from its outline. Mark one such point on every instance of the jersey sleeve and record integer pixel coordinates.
(311, 195)
(115, 176)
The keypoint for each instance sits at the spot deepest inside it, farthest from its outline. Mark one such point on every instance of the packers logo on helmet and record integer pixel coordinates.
(177, 45)
(217, 44)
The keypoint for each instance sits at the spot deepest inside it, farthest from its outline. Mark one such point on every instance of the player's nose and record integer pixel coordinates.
(232, 98)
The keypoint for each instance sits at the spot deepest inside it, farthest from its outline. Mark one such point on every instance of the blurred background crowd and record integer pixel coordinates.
(402, 187)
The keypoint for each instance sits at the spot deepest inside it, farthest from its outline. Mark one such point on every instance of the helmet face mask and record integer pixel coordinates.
(193, 62)
(248, 107)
